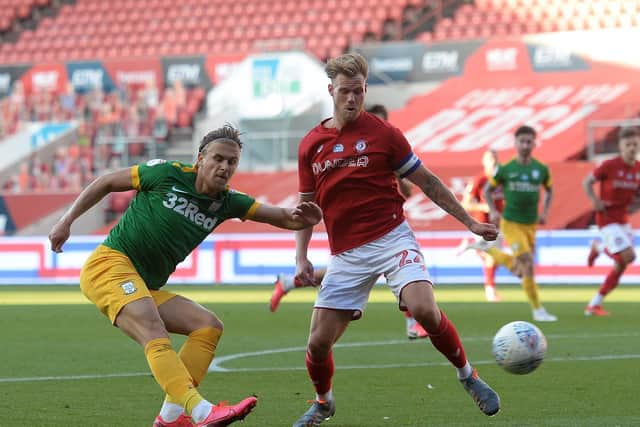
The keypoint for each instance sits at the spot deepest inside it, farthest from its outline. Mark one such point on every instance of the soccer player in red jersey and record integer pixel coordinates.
(285, 283)
(619, 184)
(176, 207)
(473, 201)
(349, 164)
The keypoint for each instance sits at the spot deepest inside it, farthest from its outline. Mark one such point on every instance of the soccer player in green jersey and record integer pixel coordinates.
(521, 179)
(176, 207)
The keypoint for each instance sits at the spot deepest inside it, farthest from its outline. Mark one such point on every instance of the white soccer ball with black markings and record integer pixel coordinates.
(519, 347)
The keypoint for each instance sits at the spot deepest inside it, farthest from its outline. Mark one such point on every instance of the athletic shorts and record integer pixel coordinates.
(110, 281)
(616, 237)
(351, 274)
(521, 238)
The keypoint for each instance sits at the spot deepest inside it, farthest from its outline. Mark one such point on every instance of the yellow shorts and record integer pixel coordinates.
(110, 281)
(521, 238)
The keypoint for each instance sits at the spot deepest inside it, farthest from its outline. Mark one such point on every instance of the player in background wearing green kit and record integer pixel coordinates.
(175, 209)
(520, 179)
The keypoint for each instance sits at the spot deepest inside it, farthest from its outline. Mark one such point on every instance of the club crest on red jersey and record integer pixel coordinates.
(361, 145)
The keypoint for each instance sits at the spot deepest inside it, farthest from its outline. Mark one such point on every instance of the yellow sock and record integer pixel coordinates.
(531, 290)
(501, 258)
(197, 353)
(171, 374)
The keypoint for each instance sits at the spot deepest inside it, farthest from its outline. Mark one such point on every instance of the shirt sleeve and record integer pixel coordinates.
(403, 160)
(242, 205)
(146, 176)
(497, 177)
(306, 179)
(600, 173)
(548, 182)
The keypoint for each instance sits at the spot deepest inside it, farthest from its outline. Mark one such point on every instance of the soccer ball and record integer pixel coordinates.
(519, 347)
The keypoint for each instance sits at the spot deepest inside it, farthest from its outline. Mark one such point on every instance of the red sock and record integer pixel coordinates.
(613, 278)
(490, 275)
(446, 340)
(320, 372)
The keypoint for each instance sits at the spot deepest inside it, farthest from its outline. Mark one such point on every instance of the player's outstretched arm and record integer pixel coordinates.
(548, 197)
(306, 214)
(304, 267)
(443, 197)
(587, 185)
(119, 180)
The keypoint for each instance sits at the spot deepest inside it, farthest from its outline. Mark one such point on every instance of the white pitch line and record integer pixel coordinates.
(218, 361)
(73, 377)
(215, 366)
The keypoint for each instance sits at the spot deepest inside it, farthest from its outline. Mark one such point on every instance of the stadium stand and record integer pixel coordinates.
(496, 18)
(90, 29)
(12, 12)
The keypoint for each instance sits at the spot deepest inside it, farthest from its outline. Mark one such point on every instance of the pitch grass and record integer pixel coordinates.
(64, 365)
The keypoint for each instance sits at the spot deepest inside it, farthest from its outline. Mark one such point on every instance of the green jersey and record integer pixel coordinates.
(521, 186)
(168, 218)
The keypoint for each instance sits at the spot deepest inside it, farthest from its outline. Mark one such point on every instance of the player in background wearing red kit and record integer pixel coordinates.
(349, 164)
(473, 201)
(619, 184)
(286, 282)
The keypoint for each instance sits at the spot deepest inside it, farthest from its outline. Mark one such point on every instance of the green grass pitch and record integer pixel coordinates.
(62, 364)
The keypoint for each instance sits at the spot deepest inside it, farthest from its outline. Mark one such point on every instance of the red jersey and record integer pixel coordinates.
(476, 190)
(619, 183)
(352, 174)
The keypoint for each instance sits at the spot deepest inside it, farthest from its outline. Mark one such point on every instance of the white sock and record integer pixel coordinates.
(596, 300)
(201, 411)
(410, 322)
(326, 397)
(287, 282)
(171, 411)
(465, 371)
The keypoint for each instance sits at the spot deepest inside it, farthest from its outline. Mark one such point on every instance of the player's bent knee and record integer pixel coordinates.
(213, 322)
(629, 257)
(427, 315)
(319, 350)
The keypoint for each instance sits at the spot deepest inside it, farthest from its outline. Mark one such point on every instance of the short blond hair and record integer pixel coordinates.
(349, 64)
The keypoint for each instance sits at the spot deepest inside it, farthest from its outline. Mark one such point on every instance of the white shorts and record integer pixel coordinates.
(617, 237)
(351, 274)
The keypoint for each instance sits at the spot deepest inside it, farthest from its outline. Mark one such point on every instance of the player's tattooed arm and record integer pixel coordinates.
(433, 188)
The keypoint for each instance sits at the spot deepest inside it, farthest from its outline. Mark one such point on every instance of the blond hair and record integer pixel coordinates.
(349, 64)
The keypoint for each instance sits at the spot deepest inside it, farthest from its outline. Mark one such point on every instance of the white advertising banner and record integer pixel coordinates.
(258, 258)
